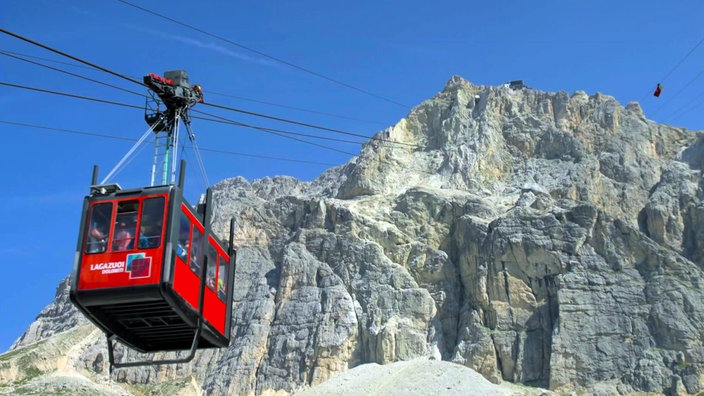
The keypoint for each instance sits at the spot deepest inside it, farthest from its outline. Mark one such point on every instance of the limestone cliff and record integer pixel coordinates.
(535, 237)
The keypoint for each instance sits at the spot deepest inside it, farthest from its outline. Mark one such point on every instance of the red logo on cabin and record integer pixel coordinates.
(139, 266)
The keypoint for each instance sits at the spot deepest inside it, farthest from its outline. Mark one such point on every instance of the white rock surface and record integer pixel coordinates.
(415, 377)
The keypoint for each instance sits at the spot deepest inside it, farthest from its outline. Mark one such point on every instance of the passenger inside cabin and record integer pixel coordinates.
(195, 267)
(125, 227)
(123, 241)
(149, 237)
(143, 238)
(222, 277)
(210, 278)
(97, 238)
(182, 251)
(221, 289)
(196, 253)
(99, 231)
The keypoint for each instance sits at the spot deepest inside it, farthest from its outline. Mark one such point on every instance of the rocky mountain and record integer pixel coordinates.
(540, 238)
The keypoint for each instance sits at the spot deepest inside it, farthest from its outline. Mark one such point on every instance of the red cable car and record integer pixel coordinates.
(149, 271)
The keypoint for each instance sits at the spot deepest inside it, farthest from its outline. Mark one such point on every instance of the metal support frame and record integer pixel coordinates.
(166, 149)
(165, 123)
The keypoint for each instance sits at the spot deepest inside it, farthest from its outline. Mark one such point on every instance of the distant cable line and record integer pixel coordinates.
(265, 55)
(68, 131)
(140, 108)
(283, 106)
(680, 91)
(71, 95)
(270, 130)
(49, 60)
(237, 123)
(207, 104)
(693, 104)
(297, 108)
(282, 119)
(273, 132)
(85, 62)
(267, 157)
(303, 123)
(684, 58)
(71, 131)
(71, 74)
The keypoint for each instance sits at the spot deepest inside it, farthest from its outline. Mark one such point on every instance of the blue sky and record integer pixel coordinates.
(401, 51)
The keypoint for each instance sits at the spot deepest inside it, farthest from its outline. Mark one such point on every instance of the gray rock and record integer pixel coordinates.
(534, 237)
(60, 315)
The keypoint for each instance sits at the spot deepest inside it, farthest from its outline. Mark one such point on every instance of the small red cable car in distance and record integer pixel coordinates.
(149, 271)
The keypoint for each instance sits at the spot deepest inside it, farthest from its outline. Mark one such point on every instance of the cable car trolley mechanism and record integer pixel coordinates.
(149, 271)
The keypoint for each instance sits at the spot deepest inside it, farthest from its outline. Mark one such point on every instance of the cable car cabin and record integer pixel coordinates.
(147, 265)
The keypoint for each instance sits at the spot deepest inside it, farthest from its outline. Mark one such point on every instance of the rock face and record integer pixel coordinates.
(56, 317)
(538, 238)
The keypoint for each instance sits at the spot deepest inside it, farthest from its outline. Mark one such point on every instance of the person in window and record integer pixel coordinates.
(124, 233)
(182, 251)
(221, 289)
(143, 239)
(123, 241)
(97, 238)
(210, 279)
(195, 267)
(150, 236)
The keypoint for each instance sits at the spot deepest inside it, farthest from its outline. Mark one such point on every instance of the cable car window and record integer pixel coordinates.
(212, 267)
(99, 224)
(151, 223)
(196, 250)
(184, 237)
(125, 225)
(222, 278)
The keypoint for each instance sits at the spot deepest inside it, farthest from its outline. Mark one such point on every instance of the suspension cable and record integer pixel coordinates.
(70, 74)
(50, 60)
(296, 122)
(100, 135)
(266, 130)
(70, 95)
(265, 55)
(129, 153)
(280, 134)
(210, 92)
(223, 120)
(199, 159)
(207, 104)
(85, 62)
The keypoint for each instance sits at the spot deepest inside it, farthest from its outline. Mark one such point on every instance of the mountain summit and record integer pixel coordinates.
(540, 238)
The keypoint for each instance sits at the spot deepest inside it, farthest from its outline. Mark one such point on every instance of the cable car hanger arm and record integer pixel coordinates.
(129, 153)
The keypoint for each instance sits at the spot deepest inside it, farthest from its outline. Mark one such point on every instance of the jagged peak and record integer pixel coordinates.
(471, 137)
(457, 82)
(634, 107)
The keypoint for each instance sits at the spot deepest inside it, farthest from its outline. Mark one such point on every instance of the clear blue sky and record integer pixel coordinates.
(403, 51)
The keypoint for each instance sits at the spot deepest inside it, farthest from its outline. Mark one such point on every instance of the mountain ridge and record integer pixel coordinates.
(540, 238)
